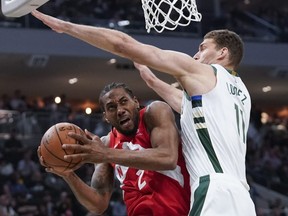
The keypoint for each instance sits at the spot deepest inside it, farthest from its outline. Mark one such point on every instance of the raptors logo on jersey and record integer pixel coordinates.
(150, 192)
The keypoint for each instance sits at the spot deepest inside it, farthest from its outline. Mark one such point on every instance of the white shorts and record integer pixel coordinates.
(220, 195)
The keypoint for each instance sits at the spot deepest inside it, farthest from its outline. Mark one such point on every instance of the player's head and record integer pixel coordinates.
(120, 107)
(221, 46)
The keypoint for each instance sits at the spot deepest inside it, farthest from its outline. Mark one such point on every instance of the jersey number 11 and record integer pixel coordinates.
(240, 123)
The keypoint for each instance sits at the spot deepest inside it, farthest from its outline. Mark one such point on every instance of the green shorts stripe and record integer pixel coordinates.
(200, 194)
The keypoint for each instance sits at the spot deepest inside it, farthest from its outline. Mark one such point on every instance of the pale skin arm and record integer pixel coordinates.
(169, 93)
(164, 137)
(195, 78)
(94, 198)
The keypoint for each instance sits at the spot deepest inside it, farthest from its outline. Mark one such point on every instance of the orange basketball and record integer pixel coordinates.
(51, 146)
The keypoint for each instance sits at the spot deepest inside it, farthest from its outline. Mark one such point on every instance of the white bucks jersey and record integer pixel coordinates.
(214, 128)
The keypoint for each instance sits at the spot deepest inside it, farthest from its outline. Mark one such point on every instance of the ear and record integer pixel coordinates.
(137, 102)
(223, 52)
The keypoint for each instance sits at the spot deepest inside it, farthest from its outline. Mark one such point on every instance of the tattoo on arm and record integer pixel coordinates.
(103, 179)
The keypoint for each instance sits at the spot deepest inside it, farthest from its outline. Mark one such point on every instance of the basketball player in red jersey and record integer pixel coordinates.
(145, 153)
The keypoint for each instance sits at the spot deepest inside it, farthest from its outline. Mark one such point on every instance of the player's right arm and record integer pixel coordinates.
(169, 93)
(94, 198)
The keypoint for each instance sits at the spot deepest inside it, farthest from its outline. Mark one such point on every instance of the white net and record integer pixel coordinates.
(168, 14)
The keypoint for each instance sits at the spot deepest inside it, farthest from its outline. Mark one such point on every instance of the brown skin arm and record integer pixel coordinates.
(94, 198)
(164, 133)
(160, 122)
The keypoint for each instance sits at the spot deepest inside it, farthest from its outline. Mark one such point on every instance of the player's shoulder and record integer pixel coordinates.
(157, 111)
(156, 107)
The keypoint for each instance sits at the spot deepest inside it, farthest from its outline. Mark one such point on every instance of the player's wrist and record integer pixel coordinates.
(107, 154)
(68, 176)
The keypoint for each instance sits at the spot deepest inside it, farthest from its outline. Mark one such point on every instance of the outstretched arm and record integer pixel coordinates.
(169, 93)
(195, 77)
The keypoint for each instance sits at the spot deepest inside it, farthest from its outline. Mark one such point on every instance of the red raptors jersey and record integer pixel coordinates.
(149, 193)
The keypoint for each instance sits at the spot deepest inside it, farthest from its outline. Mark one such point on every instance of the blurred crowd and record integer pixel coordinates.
(27, 189)
(267, 153)
(267, 162)
(252, 20)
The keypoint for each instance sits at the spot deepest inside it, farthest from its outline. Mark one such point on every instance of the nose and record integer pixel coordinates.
(196, 56)
(120, 110)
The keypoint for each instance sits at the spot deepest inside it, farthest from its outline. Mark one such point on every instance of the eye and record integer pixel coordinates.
(111, 108)
(123, 101)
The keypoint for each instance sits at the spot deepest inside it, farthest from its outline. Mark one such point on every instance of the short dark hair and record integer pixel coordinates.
(111, 86)
(231, 40)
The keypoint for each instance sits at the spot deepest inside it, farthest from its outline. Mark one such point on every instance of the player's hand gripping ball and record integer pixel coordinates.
(51, 146)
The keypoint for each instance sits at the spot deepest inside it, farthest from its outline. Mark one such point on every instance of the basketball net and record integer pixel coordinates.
(168, 14)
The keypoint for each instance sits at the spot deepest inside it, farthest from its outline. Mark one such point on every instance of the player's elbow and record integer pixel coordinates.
(98, 206)
(171, 162)
(99, 209)
(123, 46)
(120, 48)
(96, 212)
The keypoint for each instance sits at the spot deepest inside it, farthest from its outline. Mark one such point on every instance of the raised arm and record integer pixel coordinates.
(182, 66)
(169, 93)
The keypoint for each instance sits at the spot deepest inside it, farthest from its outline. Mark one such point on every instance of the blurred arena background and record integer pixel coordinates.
(46, 78)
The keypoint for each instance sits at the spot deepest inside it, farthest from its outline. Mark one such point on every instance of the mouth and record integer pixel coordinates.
(126, 126)
(124, 121)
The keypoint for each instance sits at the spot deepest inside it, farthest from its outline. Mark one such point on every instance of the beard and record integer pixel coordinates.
(128, 132)
(132, 131)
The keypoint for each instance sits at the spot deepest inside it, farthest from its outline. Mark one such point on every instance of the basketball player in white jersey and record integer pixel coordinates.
(215, 109)
(214, 128)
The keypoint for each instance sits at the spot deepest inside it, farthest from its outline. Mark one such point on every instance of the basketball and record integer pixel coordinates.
(51, 146)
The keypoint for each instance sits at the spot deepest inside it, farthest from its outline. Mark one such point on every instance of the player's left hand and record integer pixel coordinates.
(54, 23)
(92, 149)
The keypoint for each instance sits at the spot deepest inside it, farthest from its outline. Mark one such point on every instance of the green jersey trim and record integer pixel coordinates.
(202, 132)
